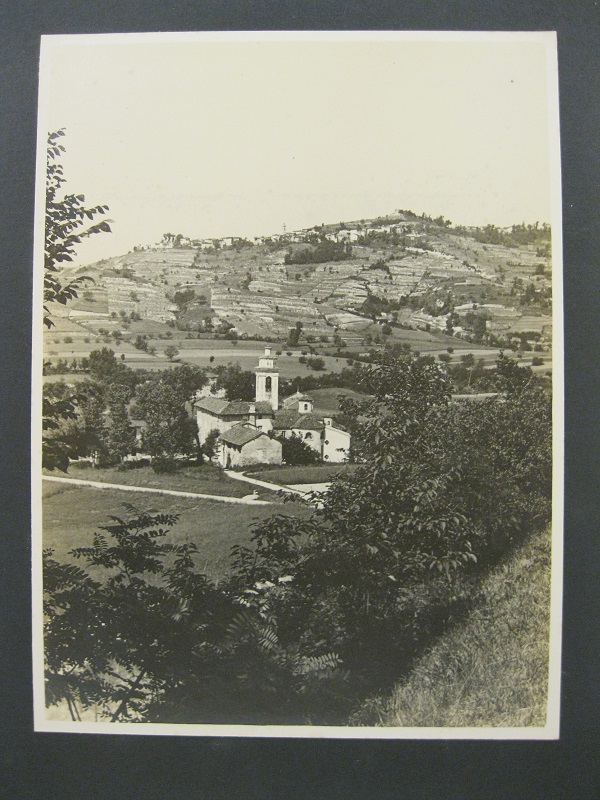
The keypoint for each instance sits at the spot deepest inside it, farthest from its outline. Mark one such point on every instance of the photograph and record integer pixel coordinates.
(297, 395)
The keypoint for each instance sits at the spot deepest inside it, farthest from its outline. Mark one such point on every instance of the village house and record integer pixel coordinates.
(245, 427)
(244, 444)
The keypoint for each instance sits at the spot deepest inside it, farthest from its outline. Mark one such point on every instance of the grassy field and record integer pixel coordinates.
(327, 401)
(314, 473)
(71, 514)
(491, 669)
(205, 479)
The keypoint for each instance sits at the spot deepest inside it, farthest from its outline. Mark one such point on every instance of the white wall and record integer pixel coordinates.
(336, 446)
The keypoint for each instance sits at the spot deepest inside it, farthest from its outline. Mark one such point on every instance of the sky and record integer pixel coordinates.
(226, 137)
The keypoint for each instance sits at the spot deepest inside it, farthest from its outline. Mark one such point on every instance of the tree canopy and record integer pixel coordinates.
(65, 226)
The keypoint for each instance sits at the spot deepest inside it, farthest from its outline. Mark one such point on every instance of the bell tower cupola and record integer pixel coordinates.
(267, 380)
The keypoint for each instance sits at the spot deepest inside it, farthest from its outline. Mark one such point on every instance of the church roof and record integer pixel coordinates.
(289, 418)
(227, 408)
(214, 405)
(240, 435)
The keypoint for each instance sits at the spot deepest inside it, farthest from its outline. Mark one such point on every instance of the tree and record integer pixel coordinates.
(161, 402)
(440, 491)
(171, 352)
(295, 451)
(65, 221)
(138, 633)
(120, 437)
(57, 413)
(126, 627)
(209, 446)
(106, 369)
(238, 384)
(317, 364)
(294, 334)
(184, 298)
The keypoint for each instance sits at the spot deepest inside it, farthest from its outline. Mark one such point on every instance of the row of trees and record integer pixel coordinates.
(105, 404)
(324, 250)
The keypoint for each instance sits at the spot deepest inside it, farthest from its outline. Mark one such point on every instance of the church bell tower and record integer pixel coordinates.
(267, 380)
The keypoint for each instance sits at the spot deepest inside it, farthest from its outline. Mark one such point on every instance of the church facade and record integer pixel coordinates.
(245, 427)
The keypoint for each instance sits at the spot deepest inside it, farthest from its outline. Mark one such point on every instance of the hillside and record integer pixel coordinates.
(401, 279)
(491, 669)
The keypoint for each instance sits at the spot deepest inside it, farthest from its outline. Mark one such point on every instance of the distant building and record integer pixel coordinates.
(244, 427)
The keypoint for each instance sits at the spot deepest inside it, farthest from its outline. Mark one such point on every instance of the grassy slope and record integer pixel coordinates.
(490, 670)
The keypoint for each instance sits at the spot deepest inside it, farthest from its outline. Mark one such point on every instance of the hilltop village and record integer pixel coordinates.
(401, 270)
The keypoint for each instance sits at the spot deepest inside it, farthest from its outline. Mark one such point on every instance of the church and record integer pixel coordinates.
(249, 432)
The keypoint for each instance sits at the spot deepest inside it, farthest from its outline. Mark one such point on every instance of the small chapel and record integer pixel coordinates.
(250, 432)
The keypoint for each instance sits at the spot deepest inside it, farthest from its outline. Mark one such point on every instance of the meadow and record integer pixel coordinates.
(204, 479)
(71, 514)
(311, 473)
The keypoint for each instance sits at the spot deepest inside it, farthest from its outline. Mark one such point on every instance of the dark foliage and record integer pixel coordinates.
(65, 221)
(66, 218)
(325, 250)
(295, 451)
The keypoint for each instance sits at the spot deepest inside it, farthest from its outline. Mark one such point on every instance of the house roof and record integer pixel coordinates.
(225, 408)
(240, 435)
(214, 405)
(287, 419)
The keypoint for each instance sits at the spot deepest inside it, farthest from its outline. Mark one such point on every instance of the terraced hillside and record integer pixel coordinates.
(403, 279)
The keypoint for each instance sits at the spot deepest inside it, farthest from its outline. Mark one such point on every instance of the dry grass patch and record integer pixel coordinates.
(490, 670)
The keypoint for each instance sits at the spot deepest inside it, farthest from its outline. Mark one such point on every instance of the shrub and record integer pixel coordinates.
(164, 464)
(295, 451)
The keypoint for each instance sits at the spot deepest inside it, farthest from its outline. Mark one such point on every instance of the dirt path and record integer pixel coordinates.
(237, 476)
(305, 488)
(293, 488)
(244, 501)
